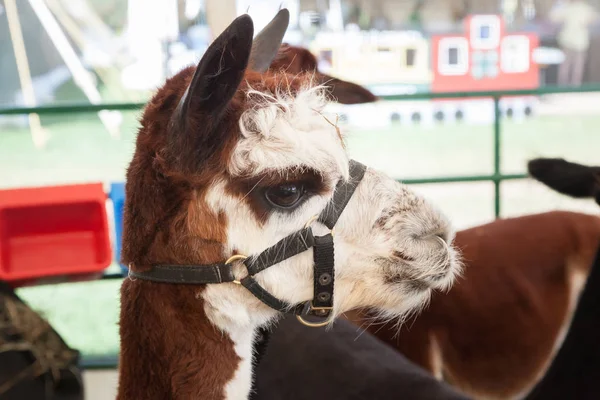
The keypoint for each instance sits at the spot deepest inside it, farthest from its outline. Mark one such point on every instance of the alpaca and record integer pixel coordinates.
(233, 159)
(496, 331)
(575, 371)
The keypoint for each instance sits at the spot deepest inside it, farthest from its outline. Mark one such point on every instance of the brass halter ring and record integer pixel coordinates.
(236, 257)
(314, 324)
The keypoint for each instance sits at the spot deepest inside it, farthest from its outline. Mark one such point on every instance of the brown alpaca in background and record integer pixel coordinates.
(495, 332)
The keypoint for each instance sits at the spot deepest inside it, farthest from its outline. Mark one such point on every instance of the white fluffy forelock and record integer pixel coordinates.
(284, 130)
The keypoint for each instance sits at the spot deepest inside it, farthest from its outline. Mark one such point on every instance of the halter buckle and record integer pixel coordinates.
(236, 257)
(311, 307)
(320, 309)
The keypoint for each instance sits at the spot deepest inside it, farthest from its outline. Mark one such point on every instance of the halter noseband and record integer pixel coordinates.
(296, 243)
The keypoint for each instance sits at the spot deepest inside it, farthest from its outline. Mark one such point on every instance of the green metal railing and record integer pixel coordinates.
(110, 361)
(496, 177)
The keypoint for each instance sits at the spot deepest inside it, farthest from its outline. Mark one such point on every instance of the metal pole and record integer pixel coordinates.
(81, 77)
(75, 32)
(497, 154)
(38, 134)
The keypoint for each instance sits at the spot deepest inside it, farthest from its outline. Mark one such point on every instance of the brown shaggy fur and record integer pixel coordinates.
(496, 330)
(164, 331)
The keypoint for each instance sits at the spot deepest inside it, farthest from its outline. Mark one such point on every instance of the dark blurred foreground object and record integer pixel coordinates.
(35, 363)
(575, 371)
(569, 178)
(303, 363)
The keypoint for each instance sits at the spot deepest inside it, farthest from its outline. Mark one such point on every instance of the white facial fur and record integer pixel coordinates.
(389, 254)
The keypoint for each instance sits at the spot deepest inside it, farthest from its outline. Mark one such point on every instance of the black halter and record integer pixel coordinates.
(296, 243)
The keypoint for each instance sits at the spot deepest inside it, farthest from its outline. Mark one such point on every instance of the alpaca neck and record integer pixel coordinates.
(172, 346)
(238, 388)
(239, 316)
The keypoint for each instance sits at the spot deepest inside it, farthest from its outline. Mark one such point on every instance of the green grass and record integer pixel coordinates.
(85, 313)
(414, 152)
(81, 151)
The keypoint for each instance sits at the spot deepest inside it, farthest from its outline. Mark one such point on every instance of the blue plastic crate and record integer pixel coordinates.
(117, 195)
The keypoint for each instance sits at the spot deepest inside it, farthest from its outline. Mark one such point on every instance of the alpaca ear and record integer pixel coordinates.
(295, 60)
(345, 92)
(218, 75)
(267, 42)
(195, 134)
(572, 179)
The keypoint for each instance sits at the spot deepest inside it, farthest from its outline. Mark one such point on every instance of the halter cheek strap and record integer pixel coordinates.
(296, 243)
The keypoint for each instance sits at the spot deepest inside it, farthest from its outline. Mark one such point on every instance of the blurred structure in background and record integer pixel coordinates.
(121, 35)
(120, 50)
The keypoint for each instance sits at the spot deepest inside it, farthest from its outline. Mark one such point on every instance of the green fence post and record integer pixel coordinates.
(497, 175)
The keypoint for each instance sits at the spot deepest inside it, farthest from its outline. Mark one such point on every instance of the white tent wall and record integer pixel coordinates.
(41, 23)
(44, 60)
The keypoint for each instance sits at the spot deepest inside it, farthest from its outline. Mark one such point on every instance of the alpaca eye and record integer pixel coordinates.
(286, 195)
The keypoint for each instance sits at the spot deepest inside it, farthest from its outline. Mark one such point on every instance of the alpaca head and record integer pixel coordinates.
(232, 157)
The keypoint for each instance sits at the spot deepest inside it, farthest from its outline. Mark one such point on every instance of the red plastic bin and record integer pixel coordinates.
(53, 231)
